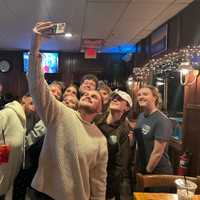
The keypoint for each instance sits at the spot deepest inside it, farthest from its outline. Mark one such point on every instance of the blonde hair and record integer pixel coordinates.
(156, 94)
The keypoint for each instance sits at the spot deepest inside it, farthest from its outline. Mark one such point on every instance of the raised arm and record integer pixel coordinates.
(35, 134)
(47, 106)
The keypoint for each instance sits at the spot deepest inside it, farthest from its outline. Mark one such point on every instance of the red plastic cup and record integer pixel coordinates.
(4, 153)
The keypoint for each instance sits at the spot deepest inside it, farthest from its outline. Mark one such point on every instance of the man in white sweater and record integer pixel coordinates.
(73, 159)
(13, 124)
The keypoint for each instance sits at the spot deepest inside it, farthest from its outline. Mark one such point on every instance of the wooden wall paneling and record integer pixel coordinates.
(192, 92)
(72, 66)
(191, 125)
(14, 81)
(192, 137)
(175, 150)
(105, 66)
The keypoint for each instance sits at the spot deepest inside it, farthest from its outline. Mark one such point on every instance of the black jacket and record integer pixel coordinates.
(118, 169)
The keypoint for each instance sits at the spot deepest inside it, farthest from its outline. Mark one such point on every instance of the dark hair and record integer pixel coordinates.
(74, 86)
(90, 77)
(27, 94)
(19, 99)
(7, 98)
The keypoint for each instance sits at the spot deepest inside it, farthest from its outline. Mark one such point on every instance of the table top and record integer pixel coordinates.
(159, 196)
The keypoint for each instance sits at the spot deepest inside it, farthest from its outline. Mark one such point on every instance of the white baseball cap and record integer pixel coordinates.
(125, 96)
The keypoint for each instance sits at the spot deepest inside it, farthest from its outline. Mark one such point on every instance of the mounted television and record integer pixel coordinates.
(49, 62)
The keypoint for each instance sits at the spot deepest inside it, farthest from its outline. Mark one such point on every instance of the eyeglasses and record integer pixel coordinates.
(117, 97)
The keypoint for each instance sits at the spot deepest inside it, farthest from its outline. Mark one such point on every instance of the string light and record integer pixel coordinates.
(168, 64)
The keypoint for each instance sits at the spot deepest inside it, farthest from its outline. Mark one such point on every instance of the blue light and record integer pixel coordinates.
(122, 48)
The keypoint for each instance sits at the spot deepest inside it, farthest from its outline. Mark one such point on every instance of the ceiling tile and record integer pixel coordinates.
(154, 1)
(146, 11)
(128, 28)
(101, 18)
(108, 1)
(19, 24)
(167, 14)
(184, 1)
(116, 20)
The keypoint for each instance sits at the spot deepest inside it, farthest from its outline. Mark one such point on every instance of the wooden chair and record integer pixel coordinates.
(152, 181)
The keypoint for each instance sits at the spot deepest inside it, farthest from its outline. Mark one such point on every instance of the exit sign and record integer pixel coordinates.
(90, 53)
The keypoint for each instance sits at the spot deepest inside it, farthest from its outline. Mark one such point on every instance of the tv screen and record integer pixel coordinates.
(49, 62)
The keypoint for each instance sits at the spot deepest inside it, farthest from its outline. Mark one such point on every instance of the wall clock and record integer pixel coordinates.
(4, 66)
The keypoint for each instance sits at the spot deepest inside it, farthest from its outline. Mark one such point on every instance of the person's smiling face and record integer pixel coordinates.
(105, 96)
(91, 101)
(119, 104)
(70, 91)
(87, 85)
(145, 98)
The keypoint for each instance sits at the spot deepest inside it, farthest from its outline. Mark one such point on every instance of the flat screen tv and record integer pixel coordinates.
(49, 62)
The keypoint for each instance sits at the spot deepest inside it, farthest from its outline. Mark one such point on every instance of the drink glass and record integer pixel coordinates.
(4, 153)
(185, 189)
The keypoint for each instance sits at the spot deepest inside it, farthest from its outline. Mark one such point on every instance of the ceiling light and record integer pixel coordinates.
(186, 68)
(68, 35)
(159, 79)
(159, 83)
(130, 78)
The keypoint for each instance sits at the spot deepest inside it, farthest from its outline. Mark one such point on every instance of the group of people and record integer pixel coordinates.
(79, 143)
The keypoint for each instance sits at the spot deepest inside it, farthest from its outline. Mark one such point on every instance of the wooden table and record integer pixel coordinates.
(159, 196)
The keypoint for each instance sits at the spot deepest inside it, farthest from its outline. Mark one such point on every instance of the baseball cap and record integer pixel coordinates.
(125, 96)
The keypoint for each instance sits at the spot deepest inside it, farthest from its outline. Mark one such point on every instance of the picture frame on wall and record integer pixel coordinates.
(158, 41)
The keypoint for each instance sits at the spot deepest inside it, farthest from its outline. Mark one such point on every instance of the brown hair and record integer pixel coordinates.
(90, 77)
(60, 84)
(74, 86)
(105, 87)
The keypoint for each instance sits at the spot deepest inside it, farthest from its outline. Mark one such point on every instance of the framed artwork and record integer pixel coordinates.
(158, 43)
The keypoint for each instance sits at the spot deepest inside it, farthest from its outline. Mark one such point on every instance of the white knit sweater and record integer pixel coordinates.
(13, 122)
(73, 159)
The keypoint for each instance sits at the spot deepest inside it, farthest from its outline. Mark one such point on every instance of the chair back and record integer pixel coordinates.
(158, 180)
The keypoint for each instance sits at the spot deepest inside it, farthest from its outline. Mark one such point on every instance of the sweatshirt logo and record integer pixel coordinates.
(146, 129)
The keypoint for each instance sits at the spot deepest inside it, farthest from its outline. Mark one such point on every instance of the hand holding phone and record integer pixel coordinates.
(56, 29)
(49, 28)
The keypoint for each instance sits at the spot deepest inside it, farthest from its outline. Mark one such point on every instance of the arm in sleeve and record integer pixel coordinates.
(46, 104)
(2, 124)
(162, 135)
(123, 160)
(123, 155)
(99, 173)
(4, 179)
(158, 150)
(35, 134)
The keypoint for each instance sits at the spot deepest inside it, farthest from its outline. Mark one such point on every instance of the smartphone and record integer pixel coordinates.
(56, 29)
